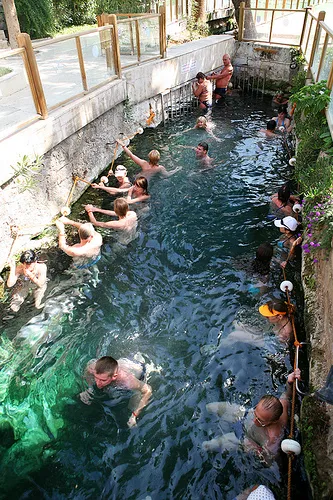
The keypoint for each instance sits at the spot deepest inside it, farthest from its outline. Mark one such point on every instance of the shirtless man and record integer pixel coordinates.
(270, 130)
(203, 91)
(86, 253)
(150, 167)
(29, 274)
(201, 152)
(124, 183)
(106, 372)
(127, 219)
(222, 78)
(265, 427)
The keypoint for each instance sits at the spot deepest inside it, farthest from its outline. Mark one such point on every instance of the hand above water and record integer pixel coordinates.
(86, 396)
(132, 421)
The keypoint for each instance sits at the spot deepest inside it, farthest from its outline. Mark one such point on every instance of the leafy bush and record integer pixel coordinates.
(312, 98)
(36, 18)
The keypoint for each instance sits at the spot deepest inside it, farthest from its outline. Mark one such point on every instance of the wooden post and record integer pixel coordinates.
(322, 57)
(307, 41)
(81, 63)
(321, 17)
(137, 35)
(330, 78)
(241, 21)
(162, 33)
(271, 27)
(132, 37)
(304, 26)
(23, 40)
(177, 7)
(115, 44)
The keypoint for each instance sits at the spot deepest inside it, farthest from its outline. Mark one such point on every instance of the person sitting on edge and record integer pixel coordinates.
(283, 201)
(106, 372)
(278, 314)
(123, 182)
(265, 425)
(222, 78)
(127, 219)
(139, 191)
(282, 120)
(201, 152)
(28, 275)
(86, 253)
(203, 91)
(270, 130)
(150, 167)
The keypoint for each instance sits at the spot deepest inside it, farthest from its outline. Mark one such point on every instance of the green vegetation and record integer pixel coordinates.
(4, 71)
(25, 172)
(41, 18)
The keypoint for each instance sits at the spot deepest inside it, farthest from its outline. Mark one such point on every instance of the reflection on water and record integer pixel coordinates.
(179, 295)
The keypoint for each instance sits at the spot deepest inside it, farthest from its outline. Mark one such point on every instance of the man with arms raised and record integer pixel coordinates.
(106, 372)
(86, 253)
(222, 78)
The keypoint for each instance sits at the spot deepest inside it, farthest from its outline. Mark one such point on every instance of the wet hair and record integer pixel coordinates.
(106, 364)
(263, 258)
(204, 145)
(142, 183)
(201, 75)
(154, 157)
(86, 231)
(120, 207)
(284, 193)
(272, 403)
(202, 119)
(282, 109)
(28, 257)
(271, 125)
(280, 306)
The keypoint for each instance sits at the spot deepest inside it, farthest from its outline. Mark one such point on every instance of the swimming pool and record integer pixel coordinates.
(174, 294)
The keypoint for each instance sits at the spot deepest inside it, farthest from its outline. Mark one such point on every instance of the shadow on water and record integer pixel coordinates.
(179, 295)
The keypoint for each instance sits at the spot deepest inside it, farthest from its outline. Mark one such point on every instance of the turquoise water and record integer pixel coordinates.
(174, 294)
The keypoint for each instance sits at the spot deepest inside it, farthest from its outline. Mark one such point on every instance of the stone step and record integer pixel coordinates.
(4, 44)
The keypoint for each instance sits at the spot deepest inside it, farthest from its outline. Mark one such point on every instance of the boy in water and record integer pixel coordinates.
(106, 372)
(28, 275)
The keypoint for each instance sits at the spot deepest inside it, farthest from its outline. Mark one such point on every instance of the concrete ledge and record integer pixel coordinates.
(43, 135)
(12, 82)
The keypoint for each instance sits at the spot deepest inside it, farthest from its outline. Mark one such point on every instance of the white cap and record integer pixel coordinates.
(287, 222)
(261, 493)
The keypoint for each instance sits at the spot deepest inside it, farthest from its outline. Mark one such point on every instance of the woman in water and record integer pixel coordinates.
(278, 313)
(283, 201)
(282, 120)
(139, 191)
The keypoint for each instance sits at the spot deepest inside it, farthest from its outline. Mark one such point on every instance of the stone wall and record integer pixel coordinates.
(318, 294)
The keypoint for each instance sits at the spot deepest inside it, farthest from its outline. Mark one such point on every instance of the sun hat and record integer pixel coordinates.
(287, 222)
(120, 171)
(261, 493)
(265, 311)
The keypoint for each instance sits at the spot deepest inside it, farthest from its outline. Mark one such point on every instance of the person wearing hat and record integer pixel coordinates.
(288, 227)
(124, 183)
(277, 313)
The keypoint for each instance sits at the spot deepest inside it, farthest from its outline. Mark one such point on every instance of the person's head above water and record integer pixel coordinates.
(120, 171)
(287, 224)
(154, 157)
(86, 231)
(120, 207)
(275, 309)
(282, 110)
(284, 193)
(28, 257)
(201, 149)
(263, 258)
(226, 59)
(271, 125)
(268, 411)
(200, 76)
(201, 122)
(142, 183)
(106, 371)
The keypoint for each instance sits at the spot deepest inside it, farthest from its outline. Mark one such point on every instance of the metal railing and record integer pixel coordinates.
(285, 4)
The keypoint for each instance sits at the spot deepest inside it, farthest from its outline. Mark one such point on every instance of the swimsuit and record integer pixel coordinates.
(220, 91)
(89, 264)
(207, 104)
